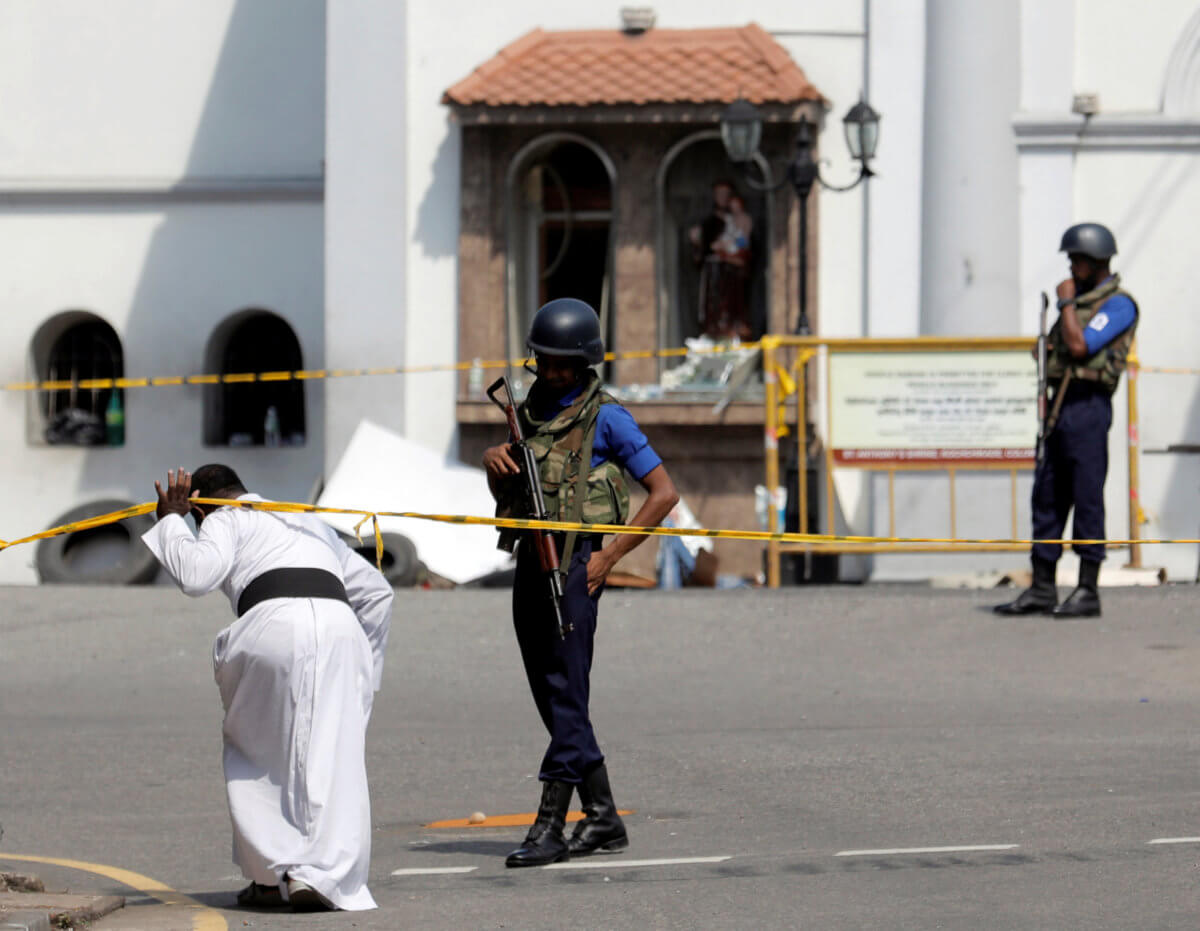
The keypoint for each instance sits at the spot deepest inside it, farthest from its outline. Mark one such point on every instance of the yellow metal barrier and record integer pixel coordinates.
(805, 349)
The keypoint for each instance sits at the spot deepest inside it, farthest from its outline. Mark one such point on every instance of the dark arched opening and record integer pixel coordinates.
(258, 412)
(81, 349)
(561, 215)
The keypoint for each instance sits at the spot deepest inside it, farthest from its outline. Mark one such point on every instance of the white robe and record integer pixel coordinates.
(297, 677)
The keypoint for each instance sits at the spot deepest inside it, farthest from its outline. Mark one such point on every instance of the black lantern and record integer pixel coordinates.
(741, 133)
(741, 130)
(862, 131)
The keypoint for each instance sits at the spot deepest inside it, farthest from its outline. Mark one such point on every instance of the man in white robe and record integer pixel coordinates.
(297, 673)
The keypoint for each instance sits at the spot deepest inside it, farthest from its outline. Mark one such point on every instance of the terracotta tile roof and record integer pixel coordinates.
(603, 67)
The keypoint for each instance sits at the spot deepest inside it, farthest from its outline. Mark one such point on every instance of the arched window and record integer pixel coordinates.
(79, 347)
(560, 230)
(256, 413)
(713, 273)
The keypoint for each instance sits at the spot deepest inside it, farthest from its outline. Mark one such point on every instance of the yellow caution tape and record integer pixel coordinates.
(91, 384)
(100, 520)
(761, 536)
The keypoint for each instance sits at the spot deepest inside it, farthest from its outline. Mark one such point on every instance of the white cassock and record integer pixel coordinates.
(297, 678)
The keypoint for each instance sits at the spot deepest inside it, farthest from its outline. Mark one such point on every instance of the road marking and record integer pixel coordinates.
(1174, 840)
(899, 850)
(207, 919)
(610, 864)
(522, 820)
(435, 870)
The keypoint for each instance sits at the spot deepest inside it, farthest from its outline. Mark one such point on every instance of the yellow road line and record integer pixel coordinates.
(207, 918)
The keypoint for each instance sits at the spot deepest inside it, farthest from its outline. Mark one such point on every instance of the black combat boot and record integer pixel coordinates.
(601, 830)
(544, 843)
(1040, 598)
(1085, 600)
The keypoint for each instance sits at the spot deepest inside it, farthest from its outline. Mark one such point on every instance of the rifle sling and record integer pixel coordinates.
(1052, 420)
(581, 484)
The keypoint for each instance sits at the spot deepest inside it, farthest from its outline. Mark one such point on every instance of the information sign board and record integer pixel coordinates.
(932, 408)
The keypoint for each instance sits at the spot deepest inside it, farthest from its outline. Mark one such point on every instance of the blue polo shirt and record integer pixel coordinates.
(618, 438)
(1114, 317)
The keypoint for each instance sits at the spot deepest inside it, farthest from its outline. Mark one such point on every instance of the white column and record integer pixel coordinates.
(365, 214)
(969, 276)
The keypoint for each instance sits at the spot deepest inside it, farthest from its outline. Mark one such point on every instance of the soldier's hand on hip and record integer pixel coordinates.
(600, 564)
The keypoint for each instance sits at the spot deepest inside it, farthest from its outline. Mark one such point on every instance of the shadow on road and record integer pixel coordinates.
(485, 848)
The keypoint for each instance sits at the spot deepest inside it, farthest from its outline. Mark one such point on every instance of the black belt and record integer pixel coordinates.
(292, 583)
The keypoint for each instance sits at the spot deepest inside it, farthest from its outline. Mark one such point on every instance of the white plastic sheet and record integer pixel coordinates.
(382, 471)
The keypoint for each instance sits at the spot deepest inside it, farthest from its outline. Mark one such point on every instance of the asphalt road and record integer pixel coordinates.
(787, 731)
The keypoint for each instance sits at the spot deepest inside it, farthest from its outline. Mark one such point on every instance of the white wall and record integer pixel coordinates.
(897, 92)
(163, 279)
(160, 166)
(1121, 51)
(163, 89)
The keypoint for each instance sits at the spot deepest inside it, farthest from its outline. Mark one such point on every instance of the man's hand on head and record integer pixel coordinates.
(175, 499)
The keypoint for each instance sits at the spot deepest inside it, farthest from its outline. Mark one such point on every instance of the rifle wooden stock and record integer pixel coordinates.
(531, 481)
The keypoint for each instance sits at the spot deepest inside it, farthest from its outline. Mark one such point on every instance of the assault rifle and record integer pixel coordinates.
(531, 481)
(1041, 381)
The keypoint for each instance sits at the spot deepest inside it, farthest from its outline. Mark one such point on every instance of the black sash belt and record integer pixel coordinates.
(292, 583)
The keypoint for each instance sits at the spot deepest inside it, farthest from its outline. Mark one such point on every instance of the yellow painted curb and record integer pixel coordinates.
(207, 918)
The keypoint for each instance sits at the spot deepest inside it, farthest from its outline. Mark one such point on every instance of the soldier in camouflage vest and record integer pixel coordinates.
(1087, 349)
(584, 442)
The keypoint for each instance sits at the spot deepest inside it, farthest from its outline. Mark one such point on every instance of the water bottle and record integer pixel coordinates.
(271, 434)
(475, 380)
(114, 421)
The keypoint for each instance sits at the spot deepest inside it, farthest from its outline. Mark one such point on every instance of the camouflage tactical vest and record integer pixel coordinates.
(1107, 364)
(559, 445)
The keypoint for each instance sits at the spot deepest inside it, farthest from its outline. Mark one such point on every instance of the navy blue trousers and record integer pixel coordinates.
(1072, 475)
(559, 670)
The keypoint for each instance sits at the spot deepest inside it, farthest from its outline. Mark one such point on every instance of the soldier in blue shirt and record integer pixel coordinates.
(1086, 353)
(567, 414)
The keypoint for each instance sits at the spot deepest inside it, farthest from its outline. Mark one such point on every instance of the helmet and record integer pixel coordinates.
(1090, 239)
(567, 327)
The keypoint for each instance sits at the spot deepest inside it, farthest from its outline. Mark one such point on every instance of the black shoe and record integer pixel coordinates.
(544, 843)
(1084, 601)
(601, 830)
(1040, 598)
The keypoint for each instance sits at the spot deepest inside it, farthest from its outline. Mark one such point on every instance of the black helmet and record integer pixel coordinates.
(567, 327)
(1089, 239)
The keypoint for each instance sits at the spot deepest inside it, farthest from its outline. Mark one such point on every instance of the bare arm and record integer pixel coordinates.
(662, 497)
(1071, 330)
(500, 467)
